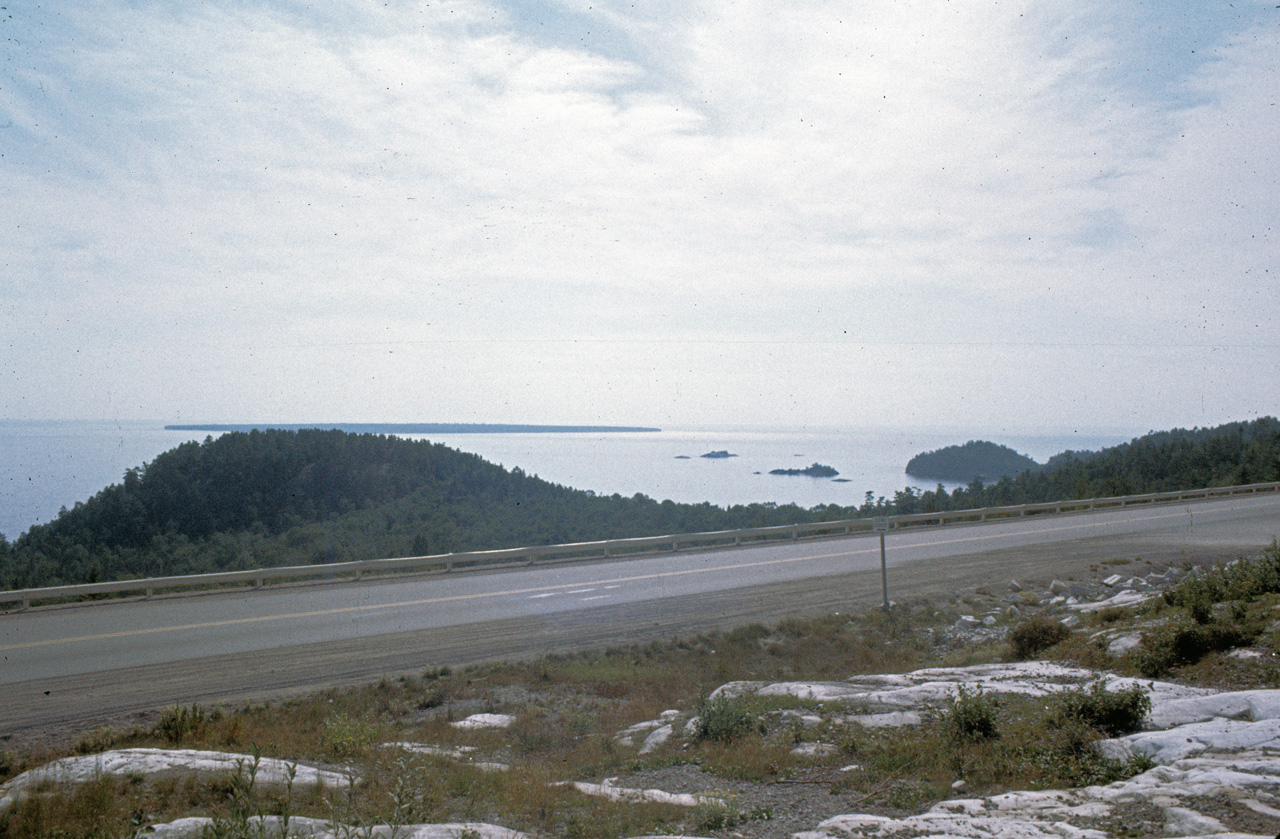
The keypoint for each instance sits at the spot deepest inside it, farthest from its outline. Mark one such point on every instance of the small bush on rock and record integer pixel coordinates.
(1036, 634)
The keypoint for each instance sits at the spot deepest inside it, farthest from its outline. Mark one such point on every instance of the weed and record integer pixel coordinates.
(244, 819)
(343, 737)
(970, 716)
(1110, 614)
(178, 724)
(908, 795)
(725, 719)
(92, 811)
(752, 759)
(710, 816)
(98, 740)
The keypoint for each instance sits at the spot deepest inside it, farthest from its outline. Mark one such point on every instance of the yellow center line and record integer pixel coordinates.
(456, 598)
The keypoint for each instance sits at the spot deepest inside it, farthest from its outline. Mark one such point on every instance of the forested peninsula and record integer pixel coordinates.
(295, 497)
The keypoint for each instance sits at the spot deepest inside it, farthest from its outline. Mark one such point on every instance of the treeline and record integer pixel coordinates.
(1162, 461)
(276, 497)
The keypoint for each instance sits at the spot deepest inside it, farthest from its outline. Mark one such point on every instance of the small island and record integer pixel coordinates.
(718, 455)
(817, 470)
(975, 459)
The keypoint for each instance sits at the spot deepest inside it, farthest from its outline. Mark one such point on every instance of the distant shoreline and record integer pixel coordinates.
(418, 428)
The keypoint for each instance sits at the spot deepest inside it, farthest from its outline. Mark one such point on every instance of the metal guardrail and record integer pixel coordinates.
(610, 547)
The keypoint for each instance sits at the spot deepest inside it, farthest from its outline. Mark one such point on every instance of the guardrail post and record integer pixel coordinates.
(257, 582)
(359, 572)
(26, 604)
(149, 594)
(881, 524)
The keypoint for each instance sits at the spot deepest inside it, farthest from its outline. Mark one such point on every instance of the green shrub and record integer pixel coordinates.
(1240, 580)
(725, 719)
(1068, 756)
(1036, 634)
(970, 716)
(1109, 712)
(1183, 642)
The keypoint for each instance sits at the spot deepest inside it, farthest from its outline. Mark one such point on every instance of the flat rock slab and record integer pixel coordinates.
(79, 770)
(1250, 705)
(1077, 814)
(606, 789)
(462, 754)
(921, 689)
(1220, 736)
(486, 721)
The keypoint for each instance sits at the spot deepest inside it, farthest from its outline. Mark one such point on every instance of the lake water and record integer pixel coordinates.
(47, 465)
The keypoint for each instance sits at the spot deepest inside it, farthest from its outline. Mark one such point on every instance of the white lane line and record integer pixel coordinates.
(560, 588)
(596, 597)
(582, 590)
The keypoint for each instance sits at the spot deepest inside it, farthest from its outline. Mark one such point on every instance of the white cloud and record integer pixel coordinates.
(286, 201)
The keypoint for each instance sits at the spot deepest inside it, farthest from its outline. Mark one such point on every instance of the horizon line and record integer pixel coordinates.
(416, 428)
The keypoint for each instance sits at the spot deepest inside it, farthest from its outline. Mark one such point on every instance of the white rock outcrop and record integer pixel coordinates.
(271, 827)
(82, 769)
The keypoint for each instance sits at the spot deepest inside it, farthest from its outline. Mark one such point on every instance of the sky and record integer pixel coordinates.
(1001, 216)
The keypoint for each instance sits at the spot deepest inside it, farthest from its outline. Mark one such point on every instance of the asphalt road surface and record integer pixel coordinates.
(79, 665)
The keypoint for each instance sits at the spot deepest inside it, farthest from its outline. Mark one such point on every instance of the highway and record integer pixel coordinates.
(77, 664)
